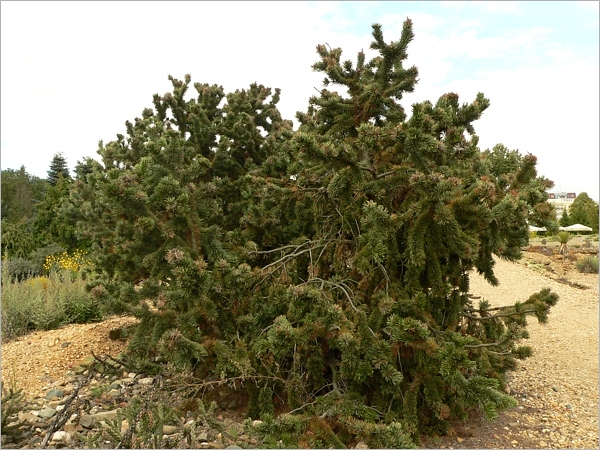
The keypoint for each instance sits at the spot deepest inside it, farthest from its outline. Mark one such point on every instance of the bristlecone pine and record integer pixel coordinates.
(328, 266)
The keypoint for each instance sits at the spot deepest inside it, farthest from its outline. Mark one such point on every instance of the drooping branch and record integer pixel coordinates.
(280, 249)
(293, 255)
(491, 344)
(495, 316)
(348, 292)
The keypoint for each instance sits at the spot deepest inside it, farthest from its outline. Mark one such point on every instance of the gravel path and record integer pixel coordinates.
(557, 388)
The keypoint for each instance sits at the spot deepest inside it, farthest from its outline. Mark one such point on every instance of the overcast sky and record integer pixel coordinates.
(72, 73)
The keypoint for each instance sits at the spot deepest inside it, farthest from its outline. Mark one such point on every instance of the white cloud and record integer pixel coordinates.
(94, 66)
(455, 5)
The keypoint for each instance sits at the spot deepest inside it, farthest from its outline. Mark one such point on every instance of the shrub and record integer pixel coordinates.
(563, 237)
(20, 268)
(38, 257)
(328, 268)
(63, 261)
(588, 264)
(47, 302)
(12, 403)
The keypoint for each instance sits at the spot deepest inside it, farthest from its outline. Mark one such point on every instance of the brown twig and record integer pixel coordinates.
(62, 416)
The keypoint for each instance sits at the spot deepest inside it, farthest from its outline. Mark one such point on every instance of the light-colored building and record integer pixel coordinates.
(562, 201)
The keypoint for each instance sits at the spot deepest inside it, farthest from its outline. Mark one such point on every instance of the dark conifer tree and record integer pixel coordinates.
(396, 213)
(330, 266)
(20, 191)
(58, 167)
(52, 223)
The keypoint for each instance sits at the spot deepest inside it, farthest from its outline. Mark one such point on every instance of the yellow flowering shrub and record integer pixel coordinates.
(62, 261)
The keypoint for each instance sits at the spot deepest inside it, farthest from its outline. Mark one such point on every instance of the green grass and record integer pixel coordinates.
(44, 303)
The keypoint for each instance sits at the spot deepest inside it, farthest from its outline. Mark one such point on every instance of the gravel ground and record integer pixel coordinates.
(557, 388)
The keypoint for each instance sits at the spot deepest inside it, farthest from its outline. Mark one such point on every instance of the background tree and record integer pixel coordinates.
(327, 267)
(58, 167)
(565, 220)
(17, 239)
(584, 210)
(20, 192)
(84, 168)
(52, 224)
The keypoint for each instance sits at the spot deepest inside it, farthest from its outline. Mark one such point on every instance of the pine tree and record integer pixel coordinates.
(565, 220)
(84, 168)
(584, 210)
(20, 191)
(52, 224)
(396, 213)
(58, 167)
(330, 266)
(163, 209)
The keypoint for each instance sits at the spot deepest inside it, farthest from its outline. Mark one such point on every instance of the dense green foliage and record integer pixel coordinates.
(37, 226)
(584, 211)
(18, 239)
(565, 220)
(328, 266)
(36, 218)
(13, 401)
(325, 271)
(53, 221)
(20, 193)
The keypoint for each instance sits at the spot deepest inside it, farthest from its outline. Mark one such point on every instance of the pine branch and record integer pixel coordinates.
(516, 313)
(289, 413)
(285, 247)
(64, 414)
(297, 252)
(339, 285)
(293, 255)
(222, 381)
(374, 173)
(492, 344)
(499, 308)
(126, 438)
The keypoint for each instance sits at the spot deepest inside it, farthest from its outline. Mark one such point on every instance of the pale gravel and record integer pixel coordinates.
(557, 388)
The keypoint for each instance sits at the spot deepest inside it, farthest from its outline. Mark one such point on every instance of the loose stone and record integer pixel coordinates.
(203, 436)
(60, 436)
(169, 430)
(47, 413)
(58, 393)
